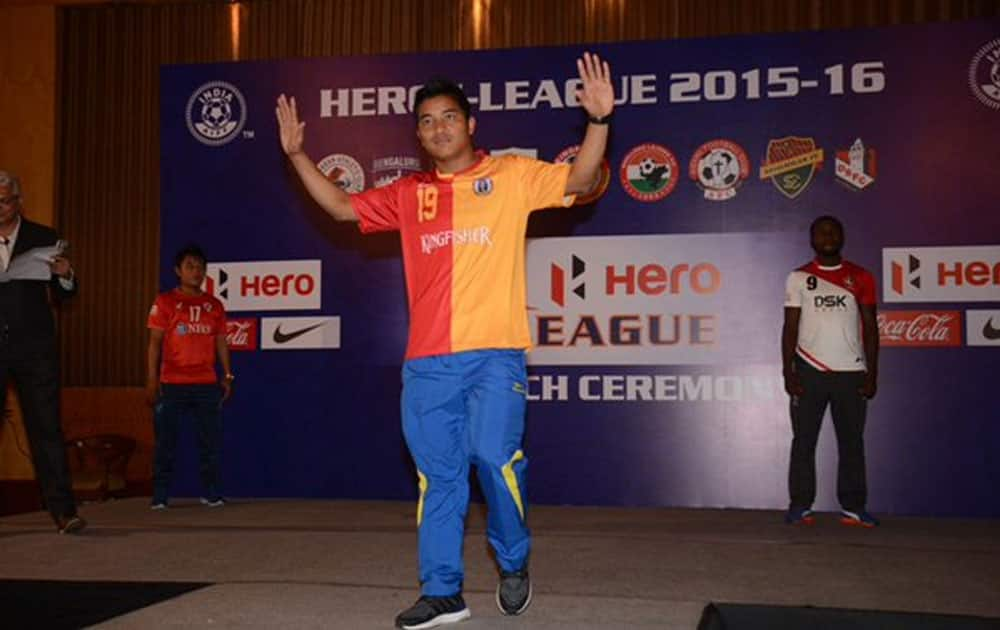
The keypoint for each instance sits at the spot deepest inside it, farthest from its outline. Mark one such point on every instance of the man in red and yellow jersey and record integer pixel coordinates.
(464, 381)
(187, 332)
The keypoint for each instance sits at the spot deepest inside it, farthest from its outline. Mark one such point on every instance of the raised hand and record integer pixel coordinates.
(290, 130)
(596, 95)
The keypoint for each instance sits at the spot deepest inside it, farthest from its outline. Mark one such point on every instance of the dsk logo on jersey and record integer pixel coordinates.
(790, 164)
(216, 113)
(558, 276)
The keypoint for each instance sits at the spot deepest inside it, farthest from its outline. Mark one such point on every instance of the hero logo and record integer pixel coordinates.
(279, 285)
(619, 300)
(941, 274)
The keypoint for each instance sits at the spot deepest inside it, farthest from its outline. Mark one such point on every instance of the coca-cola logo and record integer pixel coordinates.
(241, 333)
(920, 328)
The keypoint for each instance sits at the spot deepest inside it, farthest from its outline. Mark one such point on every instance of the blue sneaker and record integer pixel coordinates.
(799, 516)
(858, 519)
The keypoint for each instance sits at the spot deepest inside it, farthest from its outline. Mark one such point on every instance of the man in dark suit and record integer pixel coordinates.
(28, 351)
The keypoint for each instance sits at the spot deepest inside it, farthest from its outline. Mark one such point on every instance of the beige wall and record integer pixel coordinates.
(27, 148)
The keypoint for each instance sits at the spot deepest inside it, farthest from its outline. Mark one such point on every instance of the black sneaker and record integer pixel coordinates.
(430, 612)
(513, 592)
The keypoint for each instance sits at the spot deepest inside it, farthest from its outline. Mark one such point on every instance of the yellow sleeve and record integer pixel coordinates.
(544, 184)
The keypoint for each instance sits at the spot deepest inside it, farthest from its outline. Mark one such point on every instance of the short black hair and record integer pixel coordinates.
(441, 87)
(192, 250)
(824, 219)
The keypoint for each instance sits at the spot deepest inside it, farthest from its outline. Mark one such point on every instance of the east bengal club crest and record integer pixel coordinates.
(790, 164)
(568, 155)
(649, 172)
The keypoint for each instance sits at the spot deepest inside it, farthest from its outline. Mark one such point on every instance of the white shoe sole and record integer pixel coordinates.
(441, 620)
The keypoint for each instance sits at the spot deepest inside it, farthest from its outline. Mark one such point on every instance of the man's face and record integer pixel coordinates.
(827, 238)
(10, 204)
(443, 129)
(191, 272)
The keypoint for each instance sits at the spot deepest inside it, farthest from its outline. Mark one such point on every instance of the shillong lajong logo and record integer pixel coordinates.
(216, 113)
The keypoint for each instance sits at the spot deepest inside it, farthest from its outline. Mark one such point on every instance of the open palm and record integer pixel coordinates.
(290, 130)
(596, 95)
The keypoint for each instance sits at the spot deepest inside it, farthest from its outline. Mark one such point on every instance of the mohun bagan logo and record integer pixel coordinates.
(344, 171)
(649, 172)
(216, 113)
(790, 164)
(559, 280)
(908, 275)
(984, 74)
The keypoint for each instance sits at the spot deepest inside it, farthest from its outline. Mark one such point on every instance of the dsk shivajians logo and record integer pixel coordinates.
(216, 113)
(856, 167)
(558, 280)
(984, 74)
(790, 164)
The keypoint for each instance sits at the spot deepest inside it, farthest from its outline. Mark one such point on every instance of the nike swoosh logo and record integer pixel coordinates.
(280, 337)
(989, 331)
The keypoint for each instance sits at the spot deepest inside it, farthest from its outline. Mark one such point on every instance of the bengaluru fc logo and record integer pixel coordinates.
(790, 164)
(216, 113)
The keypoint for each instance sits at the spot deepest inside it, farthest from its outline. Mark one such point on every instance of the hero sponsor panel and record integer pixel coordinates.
(273, 285)
(941, 274)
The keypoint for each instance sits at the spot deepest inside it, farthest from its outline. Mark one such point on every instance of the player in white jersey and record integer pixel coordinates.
(829, 350)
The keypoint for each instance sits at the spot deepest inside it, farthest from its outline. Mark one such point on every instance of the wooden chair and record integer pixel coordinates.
(98, 464)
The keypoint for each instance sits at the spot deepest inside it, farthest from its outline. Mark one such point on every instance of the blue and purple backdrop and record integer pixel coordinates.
(656, 308)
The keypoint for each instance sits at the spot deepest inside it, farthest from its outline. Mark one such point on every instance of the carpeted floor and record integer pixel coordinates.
(352, 564)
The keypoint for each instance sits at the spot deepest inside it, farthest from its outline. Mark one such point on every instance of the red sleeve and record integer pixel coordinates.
(868, 293)
(159, 314)
(220, 319)
(378, 208)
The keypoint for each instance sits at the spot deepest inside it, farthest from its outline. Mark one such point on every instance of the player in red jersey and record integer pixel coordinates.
(829, 348)
(462, 228)
(187, 333)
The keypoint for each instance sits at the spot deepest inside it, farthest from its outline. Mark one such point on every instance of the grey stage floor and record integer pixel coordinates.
(351, 564)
